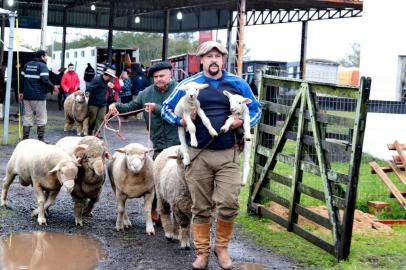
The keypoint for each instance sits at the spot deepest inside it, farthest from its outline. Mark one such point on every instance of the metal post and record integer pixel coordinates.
(110, 35)
(3, 26)
(44, 22)
(65, 18)
(166, 33)
(303, 47)
(11, 18)
(229, 42)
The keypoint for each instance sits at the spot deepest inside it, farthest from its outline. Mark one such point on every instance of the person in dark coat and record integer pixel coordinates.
(56, 78)
(89, 73)
(254, 87)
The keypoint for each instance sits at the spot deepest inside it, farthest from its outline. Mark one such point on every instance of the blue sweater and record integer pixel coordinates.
(216, 107)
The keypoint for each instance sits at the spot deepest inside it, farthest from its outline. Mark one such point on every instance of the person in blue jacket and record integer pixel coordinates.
(214, 176)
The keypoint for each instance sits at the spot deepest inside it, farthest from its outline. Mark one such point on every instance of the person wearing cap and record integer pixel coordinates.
(36, 85)
(214, 176)
(97, 90)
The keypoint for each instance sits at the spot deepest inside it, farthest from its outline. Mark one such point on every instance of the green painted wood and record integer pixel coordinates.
(314, 239)
(332, 211)
(297, 171)
(280, 142)
(266, 193)
(353, 172)
(314, 217)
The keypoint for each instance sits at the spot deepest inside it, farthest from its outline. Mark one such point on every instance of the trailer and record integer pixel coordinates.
(79, 57)
(183, 65)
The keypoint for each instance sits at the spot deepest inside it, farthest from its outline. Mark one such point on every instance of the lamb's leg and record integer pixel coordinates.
(79, 128)
(86, 126)
(183, 145)
(191, 128)
(49, 201)
(126, 221)
(227, 124)
(6, 186)
(247, 127)
(78, 208)
(121, 198)
(148, 199)
(89, 207)
(183, 222)
(39, 194)
(206, 122)
(164, 211)
(68, 124)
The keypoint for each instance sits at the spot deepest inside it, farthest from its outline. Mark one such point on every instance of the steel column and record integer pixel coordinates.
(167, 14)
(303, 47)
(110, 35)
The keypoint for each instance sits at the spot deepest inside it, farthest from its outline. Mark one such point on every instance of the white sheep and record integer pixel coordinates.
(131, 176)
(173, 195)
(186, 105)
(46, 167)
(91, 176)
(76, 111)
(239, 109)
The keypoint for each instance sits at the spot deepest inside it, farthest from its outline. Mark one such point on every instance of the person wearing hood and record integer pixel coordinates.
(89, 73)
(36, 85)
(70, 81)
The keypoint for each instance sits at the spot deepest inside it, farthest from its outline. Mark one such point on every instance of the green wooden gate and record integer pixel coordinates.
(308, 152)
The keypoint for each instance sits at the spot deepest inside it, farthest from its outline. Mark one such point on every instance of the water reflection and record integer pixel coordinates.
(250, 266)
(49, 250)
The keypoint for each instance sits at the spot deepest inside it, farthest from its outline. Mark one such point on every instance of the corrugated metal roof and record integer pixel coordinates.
(197, 14)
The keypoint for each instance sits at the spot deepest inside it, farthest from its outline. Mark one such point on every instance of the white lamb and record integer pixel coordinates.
(186, 105)
(239, 109)
(173, 195)
(46, 167)
(131, 176)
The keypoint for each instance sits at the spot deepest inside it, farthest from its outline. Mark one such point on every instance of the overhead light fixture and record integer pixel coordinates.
(137, 19)
(92, 7)
(10, 2)
(179, 15)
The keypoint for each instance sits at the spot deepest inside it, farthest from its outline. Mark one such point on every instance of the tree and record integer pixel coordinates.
(352, 58)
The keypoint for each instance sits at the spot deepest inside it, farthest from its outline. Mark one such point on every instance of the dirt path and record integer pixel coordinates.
(133, 249)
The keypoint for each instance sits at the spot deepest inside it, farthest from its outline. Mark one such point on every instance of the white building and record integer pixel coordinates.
(81, 56)
(383, 58)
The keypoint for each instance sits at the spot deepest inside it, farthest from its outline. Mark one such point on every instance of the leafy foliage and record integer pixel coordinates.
(352, 58)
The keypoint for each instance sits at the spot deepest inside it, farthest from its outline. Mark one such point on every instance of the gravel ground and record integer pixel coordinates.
(132, 249)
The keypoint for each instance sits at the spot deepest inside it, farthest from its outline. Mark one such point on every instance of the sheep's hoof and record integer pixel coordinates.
(127, 224)
(42, 221)
(120, 228)
(193, 143)
(150, 230)
(35, 213)
(79, 222)
(4, 204)
(185, 247)
(170, 237)
(213, 133)
(223, 130)
(87, 214)
(186, 162)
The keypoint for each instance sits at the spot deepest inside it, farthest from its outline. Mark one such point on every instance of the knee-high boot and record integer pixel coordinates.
(201, 235)
(26, 132)
(41, 133)
(224, 232)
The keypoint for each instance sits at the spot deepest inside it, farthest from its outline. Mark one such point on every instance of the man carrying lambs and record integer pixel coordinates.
(214, 176)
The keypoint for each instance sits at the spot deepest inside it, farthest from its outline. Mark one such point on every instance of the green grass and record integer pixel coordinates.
(12, 132)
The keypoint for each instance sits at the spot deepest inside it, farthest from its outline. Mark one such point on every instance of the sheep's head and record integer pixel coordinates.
(192, 90)
(237, 103)
(95, 154)
(80, 97)
(66, 171)
(135, 156)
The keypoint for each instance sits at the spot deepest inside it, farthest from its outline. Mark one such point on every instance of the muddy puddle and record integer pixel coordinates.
(49, 250)
(249, 266)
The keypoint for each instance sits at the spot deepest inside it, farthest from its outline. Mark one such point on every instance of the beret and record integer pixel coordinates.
(207, 46)
(157, 67)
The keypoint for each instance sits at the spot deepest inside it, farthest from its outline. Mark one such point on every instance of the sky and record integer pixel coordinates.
(327, 39)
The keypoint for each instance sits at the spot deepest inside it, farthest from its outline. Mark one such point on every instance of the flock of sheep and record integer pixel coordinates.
(79, 166)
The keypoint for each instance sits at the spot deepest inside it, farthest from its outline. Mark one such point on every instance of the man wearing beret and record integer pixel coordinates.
(163, 134)
(214, 176)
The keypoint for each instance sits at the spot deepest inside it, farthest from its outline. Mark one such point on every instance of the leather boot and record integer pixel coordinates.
(41, 133)
(201, 235)
(26, 132)
(224, 232)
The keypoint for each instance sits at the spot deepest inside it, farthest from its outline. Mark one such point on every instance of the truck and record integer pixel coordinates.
(97, 57)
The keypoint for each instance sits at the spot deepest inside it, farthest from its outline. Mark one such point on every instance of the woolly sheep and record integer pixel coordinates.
(239, 108)
(91, 176)
(76, 111)
(173, 195)
(186, 105)
(46, 167)
(131, 176)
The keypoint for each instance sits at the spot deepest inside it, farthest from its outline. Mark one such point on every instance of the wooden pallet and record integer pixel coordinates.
(397, 165)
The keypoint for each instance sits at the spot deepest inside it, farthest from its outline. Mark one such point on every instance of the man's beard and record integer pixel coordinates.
(214, 73)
